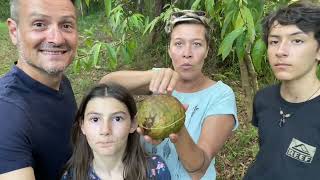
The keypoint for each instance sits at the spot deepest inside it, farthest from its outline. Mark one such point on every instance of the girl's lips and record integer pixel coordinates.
(108, 143)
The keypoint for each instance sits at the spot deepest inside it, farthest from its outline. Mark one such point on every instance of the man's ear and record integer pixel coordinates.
(13, 30)
(134, 125)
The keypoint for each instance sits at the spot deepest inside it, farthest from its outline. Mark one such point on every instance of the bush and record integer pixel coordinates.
(4, 9)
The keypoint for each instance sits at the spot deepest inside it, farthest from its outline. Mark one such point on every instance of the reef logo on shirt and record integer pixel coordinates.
(301, 151)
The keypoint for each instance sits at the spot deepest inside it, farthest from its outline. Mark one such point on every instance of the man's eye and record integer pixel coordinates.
(38, 25)
(297, 41)
(67, 26)
(178, 43)
(273, 42)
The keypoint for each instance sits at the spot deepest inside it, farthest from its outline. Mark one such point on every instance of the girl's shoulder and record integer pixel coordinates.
(68, 175)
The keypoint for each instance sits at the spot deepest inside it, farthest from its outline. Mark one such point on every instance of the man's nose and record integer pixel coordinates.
(55, 35)
(283, 49)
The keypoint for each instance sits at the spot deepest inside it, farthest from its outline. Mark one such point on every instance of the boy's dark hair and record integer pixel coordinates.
(305, 15)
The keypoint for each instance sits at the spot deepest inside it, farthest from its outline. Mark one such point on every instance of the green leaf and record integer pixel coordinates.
(151, 25)
(88, 42)
(241, 46)
(227, 42)
(87, 63)
(108, 4)
(226, 22)
(210, 7)
(87, 2)
(96, 52)
(249, 22)
(76, 66)
(135, 21)
(258, 51)
(166, 15)
(132, 45)
(112, 57)
(195, 5)
(126, 55)
(117, 18)
(239, 21)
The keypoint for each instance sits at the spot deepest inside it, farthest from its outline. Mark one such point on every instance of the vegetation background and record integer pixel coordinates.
(129, 34)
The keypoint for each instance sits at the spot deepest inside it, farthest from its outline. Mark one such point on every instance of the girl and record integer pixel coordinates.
(106, 144)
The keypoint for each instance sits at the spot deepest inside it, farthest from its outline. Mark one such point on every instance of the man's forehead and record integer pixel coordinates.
(288, 29)
(47, 6)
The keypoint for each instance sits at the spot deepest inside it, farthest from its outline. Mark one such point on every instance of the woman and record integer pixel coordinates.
(211, 114)
(105, 142)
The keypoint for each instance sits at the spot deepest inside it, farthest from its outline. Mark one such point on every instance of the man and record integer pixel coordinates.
(211, 113)
(287, 114)
(37, 105)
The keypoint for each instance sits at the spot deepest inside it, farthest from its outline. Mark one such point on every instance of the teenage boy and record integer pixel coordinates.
(287, 114)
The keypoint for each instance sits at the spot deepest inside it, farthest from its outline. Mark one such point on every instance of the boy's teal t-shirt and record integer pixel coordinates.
(215, 100)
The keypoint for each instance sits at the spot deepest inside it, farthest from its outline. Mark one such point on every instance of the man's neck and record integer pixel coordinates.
(52, 81)
(301, 90)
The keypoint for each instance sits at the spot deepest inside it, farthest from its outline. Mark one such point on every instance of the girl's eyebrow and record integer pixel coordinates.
(119, 112)
(100, 114)
(93, 113)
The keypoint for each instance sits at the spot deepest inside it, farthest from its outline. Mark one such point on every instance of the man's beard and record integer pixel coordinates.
(48, 71)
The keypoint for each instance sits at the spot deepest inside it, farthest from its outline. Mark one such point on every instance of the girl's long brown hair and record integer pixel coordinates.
(134, 158)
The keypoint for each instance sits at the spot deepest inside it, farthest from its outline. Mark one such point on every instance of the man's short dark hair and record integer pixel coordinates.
(305, 15)
(14, 8)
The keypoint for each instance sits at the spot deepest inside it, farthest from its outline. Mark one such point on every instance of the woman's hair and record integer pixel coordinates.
(134, 158)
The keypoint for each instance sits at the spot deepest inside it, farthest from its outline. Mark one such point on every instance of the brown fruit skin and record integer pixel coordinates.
(160, 115)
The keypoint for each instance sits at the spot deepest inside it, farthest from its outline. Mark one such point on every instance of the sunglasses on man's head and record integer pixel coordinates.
(185, 12)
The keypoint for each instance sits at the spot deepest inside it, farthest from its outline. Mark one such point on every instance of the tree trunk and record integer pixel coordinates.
(252, 74)
(245, 82)
(249, 82)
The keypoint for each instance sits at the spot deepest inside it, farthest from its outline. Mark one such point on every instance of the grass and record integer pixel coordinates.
(235, 157)
(8, 53)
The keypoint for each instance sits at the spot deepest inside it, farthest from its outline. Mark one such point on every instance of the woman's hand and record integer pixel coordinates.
(163, 81)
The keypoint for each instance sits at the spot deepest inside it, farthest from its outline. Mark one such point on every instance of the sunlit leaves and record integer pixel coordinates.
(227, 42)
(108, 4)
(248, 19)
(112, 60)
(95, 52)
(258, 52)
(195, 5)
(241, 46)
(210, 7)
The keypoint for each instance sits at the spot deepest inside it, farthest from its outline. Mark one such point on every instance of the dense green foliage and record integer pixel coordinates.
(4, 9)
(128, 34)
